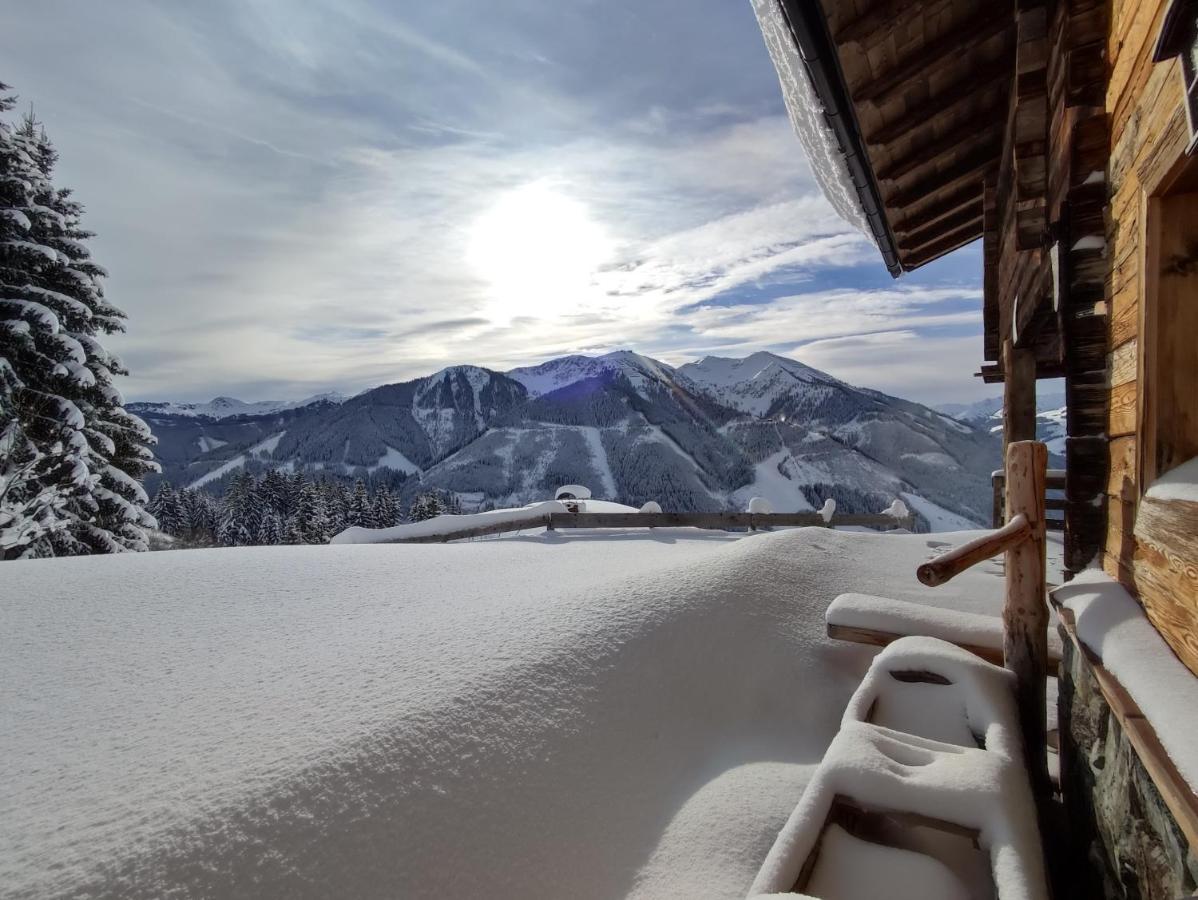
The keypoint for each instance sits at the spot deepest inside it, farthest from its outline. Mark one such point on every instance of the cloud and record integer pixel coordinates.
(926, 365)
(286, 194)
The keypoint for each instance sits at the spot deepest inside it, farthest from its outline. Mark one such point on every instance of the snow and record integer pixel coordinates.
(850, 867)
(533, 514)
(760, 505)
(939, 518)
(933, 459)
(651, 506)
(809, 118)
(580, 715)
(395, 461)
(897, 509)
(224, 407)
(267, 446)
(828, 510)
(1180, 483)
(1089, 242)
(219, 472)
(754, 384)
(1112, 624)
(207, 443)
(605, 506)
(566, 370)
(901, 617)
(594, 439)
(770, 483)
(975, 782)
(576, 491)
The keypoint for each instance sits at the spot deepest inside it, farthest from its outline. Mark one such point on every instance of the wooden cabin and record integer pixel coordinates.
(1061, 134)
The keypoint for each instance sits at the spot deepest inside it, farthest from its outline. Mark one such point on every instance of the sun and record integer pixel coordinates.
(538, 250)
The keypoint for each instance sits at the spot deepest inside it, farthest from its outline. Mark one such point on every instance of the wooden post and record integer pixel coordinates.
(1019, 395)
(1025, 611)
(996, 486)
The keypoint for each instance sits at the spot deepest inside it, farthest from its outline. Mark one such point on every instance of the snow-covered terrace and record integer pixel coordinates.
(586, 715)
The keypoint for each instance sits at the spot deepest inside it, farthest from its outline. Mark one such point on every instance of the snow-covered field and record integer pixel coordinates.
(592, 715)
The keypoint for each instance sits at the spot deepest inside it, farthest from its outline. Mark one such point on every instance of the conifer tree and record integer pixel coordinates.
(167, 508)
(270, 529)
(386, 511)
(240, 515)
(361, 510)
(74, 454)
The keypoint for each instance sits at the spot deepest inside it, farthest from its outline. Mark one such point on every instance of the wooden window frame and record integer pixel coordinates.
(1182, 174)
(1179, 38)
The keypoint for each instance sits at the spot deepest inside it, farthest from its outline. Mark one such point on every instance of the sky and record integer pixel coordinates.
(292, 198)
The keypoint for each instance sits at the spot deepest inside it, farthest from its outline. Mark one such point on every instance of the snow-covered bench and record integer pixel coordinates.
(879, 621)
(922, 794)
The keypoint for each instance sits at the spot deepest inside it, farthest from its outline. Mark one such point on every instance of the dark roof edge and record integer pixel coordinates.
(810, 31)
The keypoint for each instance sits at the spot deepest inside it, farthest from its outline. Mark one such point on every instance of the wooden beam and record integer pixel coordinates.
(950, 242)
(916, 240)
(1025, 609)
(998, 74)
(969, 133)
(882, 15)
(1019, 396)
(948, 566)
(968, 169)
(964, 196)
(953, 45)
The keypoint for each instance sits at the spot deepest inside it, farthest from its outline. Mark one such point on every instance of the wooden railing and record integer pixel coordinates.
(718, 521)
(1025, 607)
(1054, 482)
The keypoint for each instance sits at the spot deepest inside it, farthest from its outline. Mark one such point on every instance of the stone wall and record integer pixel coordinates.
(1124, 842)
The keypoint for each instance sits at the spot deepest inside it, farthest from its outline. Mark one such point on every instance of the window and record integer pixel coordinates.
(1168, 346)
(1179, 37)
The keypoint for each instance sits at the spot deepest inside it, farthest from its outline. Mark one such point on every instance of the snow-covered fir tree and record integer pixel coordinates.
(386, 510)
(240, 513)
(361, 510)
(169, 509)
(73, 456)
(426, 506)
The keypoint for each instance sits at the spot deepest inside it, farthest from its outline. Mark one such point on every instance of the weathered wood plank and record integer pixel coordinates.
(1121, 418)
(1121, 480)
(1025, 609)
(1165, 566)
(875, 638)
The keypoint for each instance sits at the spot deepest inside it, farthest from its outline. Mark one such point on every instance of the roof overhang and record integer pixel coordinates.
(914, 95)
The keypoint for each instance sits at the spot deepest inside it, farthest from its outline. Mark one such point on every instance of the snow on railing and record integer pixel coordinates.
(553, 515)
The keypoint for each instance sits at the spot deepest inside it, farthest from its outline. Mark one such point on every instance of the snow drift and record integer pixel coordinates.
(596, 715)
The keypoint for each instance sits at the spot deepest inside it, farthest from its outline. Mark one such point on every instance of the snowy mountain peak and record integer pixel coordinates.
(753, 384)
(225, 407)
(566, 370)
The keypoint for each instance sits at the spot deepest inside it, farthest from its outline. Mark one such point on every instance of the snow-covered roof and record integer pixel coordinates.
(824, 128)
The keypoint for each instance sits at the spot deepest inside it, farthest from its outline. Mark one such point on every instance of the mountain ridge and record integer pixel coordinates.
(705, 435)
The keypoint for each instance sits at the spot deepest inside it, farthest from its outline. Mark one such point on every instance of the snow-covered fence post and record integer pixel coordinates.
(1025, 610)
(901, 514)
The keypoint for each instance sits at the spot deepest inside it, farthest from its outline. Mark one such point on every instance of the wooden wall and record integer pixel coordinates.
(1150, 546)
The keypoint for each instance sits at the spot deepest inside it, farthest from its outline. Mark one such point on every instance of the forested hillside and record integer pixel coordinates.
(706, 436)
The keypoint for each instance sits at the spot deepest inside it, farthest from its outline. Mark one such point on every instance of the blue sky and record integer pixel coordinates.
(292, 198)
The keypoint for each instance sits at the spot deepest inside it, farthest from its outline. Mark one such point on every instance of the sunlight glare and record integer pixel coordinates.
(538, 250)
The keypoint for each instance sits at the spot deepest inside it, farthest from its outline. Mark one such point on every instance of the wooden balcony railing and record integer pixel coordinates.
(1054, 501)
(1025, 607)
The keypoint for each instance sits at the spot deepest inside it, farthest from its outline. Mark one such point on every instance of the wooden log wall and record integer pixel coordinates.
(1079, 146)
(1149, 545)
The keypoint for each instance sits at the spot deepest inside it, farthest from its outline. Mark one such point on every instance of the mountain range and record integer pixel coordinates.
(707, 435)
